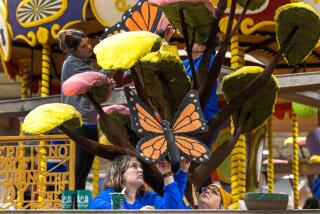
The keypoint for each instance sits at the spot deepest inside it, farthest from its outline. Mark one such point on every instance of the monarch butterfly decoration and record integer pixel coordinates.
(142, 16)
(162, 138)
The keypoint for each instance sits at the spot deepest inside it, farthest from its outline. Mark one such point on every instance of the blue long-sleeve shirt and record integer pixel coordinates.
(171, 199)
(181, 178)
(316, 187)
(212, 107)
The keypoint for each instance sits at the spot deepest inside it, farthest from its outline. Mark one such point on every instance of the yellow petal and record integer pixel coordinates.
(49, 116)
(123, 50)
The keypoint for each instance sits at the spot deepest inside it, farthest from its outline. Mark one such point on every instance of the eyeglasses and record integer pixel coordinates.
(211, 189)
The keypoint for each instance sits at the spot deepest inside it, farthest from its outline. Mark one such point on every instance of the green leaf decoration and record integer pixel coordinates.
(260, 106)
(305, 38)
(254, 4)
(198, 18)
(165, 80)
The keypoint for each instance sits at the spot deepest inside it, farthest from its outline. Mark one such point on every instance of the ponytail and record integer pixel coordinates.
(70, 39)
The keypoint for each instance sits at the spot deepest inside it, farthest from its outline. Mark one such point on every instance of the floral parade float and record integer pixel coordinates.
(161, 84)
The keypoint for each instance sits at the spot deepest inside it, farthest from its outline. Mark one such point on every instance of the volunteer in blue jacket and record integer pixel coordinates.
(126, 171)
(212, 108)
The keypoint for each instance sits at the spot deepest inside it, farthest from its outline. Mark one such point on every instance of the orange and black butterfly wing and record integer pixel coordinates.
(142, 119)
(152, 148)
(192, 149)
(143, 16)
(189, 117)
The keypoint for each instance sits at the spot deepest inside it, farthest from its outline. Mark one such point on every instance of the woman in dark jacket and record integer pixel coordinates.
(77, 45)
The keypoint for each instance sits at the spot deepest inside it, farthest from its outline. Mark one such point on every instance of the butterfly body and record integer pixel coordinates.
(163, 138)
(173, 151)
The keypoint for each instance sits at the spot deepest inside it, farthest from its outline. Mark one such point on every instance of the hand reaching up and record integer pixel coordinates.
(184, 165)
(164, 167)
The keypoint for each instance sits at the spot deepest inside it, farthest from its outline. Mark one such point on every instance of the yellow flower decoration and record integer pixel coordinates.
(123, 50)
(49, 116)
(314, 159)
(166, 53)
(289, 140)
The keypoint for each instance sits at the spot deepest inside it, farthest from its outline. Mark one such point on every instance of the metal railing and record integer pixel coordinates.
(22, 184)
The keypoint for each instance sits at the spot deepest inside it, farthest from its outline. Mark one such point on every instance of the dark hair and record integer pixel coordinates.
(70, 39)
(311, 203)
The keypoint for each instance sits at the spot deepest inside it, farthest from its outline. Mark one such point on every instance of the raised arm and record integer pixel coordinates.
(172, 197)
(181, 177)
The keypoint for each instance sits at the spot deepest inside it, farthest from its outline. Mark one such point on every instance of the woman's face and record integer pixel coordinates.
(84, 50)
(210, 198)
(133, 176)
(198, 48)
